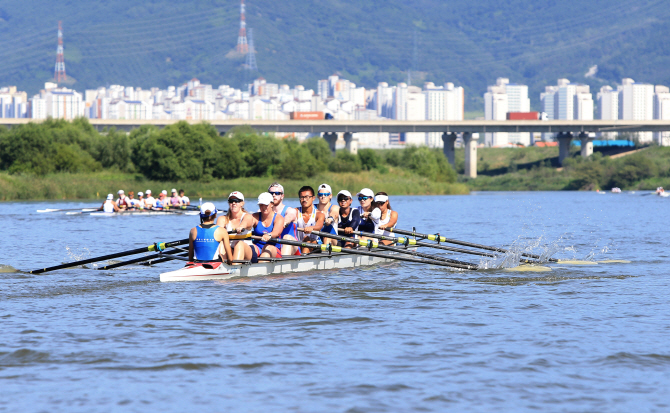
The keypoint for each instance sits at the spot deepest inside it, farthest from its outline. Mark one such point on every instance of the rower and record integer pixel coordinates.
(290, 215)
(140, 200)
(207, 239)
(184, 198)
(149, 201)
(132, 202)
(266, 224)
(383, 216)
(309, 218)
(175, 200)
(109, 205)
(237, 219)
(162, 200)
(365, 198)
(123, 201)
(349, 218)
(329, 210)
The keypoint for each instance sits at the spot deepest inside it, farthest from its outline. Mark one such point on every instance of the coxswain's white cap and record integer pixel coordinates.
(366, 192)
(164, 192)
(236, 194)
(207, 210)
(121, 192)
(140, 193)
(265, 198)
(345, 193)
(110, 197)
(276, 184)
(148, 191)
(325, 187)
(381, 198)
(174, 190)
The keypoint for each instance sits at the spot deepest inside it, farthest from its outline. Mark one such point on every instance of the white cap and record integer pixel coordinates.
(236, 194)
(121, 192)
(164, 192)
(174, 190)
(326, 187)
(344, 192)
(148, 191)
(265, 198)
(207, 206)
(110, 197)
(140, 193)
(366, 192)
(277, 185)
(381, 198)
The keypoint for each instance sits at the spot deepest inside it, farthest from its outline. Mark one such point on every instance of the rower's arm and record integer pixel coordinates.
(320, 219)
(392, 221)
(291, 216)
(247, 222)
(116, 207)
(191, 237)
(355, 219)
(222, 236)
(278, 228)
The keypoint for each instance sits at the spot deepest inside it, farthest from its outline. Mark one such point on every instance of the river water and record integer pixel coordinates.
(393, 338)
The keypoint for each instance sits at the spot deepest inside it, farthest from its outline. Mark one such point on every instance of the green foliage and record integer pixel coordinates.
(319, 149)
(299, 163)
(259, 153)
(345, 162)
(428, 162)
(634, 169)
(369, 159)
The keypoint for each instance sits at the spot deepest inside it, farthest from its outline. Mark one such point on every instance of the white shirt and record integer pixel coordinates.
(185, 200)
(151, 201)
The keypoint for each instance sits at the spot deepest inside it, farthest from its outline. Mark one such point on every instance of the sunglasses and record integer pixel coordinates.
(277, 193)
(364, 198)
(234, 201)
(324, 193)
(343, 199)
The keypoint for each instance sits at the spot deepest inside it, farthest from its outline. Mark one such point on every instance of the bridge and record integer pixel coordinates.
(566, 130)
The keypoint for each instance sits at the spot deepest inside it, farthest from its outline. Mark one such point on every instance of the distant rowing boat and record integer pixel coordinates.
(142, 212)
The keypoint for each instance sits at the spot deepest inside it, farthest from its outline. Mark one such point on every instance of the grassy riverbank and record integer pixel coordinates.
(96, 185)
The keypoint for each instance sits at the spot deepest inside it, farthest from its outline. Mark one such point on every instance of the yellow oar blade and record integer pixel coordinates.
(529, 268)
(614, 262)
(577, 262)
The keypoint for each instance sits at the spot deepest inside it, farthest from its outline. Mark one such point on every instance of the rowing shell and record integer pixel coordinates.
(312, 262)
(143, 213)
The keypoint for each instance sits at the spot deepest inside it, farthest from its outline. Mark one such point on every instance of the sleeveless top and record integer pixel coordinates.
(123, 202)
(108, 207)
(205, 246)
(289, 230)
(229, 227)
(328, 228)
(366, 224)
(310, 223)
(383, 221)
(260, 230)
(175, 201)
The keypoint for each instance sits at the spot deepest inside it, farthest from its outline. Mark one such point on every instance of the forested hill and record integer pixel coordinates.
(160, 42)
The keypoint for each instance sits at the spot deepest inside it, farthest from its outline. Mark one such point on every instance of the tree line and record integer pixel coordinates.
(194, 152)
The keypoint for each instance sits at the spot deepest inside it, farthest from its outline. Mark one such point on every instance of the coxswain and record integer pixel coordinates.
(237, 219)
(365, 198)
(109, 205)
(349, 218)
(266, 224)
(175, 200)
(290, 216)
(149, 201)
(309, 218)
(184, 198)
(123, 201)
(383, 216)
(140, 200)
(329, 210)
(208, 241)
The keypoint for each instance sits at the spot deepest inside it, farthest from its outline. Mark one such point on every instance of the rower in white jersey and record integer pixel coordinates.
(330, 211)
(309, 218)
(140, 200)
(149, 201)
(383, 216)
(237, 219)
(184, 199)
(109, 205)
(290, 216)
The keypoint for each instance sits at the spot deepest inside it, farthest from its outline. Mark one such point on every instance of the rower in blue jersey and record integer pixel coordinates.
(266, 224)
(349, 218)
(206, 240)
(290, 216)
(329, 210)
(366, 198)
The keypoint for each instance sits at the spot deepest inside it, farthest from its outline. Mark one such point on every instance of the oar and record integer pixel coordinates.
(41, 211)
(375, 244)
(333, 248)
(155, 247)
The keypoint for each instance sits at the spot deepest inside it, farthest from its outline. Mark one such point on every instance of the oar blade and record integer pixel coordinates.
(576, 262)
(529, 268)
(614, 262)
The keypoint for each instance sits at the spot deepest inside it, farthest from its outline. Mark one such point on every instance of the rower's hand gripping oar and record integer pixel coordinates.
(374, 244)
(151, 248)
(333, 248)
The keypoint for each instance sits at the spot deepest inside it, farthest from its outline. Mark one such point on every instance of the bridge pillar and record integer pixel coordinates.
(564, 139)
(351, 142)
(331, 138)
(449, 149)
(470, 155)
(587, 144)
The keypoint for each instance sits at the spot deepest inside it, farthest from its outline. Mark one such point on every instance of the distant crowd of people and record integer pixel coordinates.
(145, 201)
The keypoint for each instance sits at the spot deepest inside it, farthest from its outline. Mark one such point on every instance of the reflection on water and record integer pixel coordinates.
(393, 337)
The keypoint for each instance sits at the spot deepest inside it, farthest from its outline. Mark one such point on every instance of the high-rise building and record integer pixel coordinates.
(636, 102)
(496, 106)
(442, 103)
(608, 109)
(662, 112)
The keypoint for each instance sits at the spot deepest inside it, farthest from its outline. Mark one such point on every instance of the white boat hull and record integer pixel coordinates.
(220, 271)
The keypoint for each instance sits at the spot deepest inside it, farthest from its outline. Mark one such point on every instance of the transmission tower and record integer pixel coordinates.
(242, 46)
(251, 56)
(59, 71)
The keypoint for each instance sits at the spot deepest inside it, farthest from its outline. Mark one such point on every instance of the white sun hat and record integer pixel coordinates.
(265, 198)
(140, 193)
(366, 192)
(207, 210)
(236, 194)
(121, 192)
(173, 190)
(345, 193)
(110, 197)
(164, 192)
(381, 198)
(148, 191)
